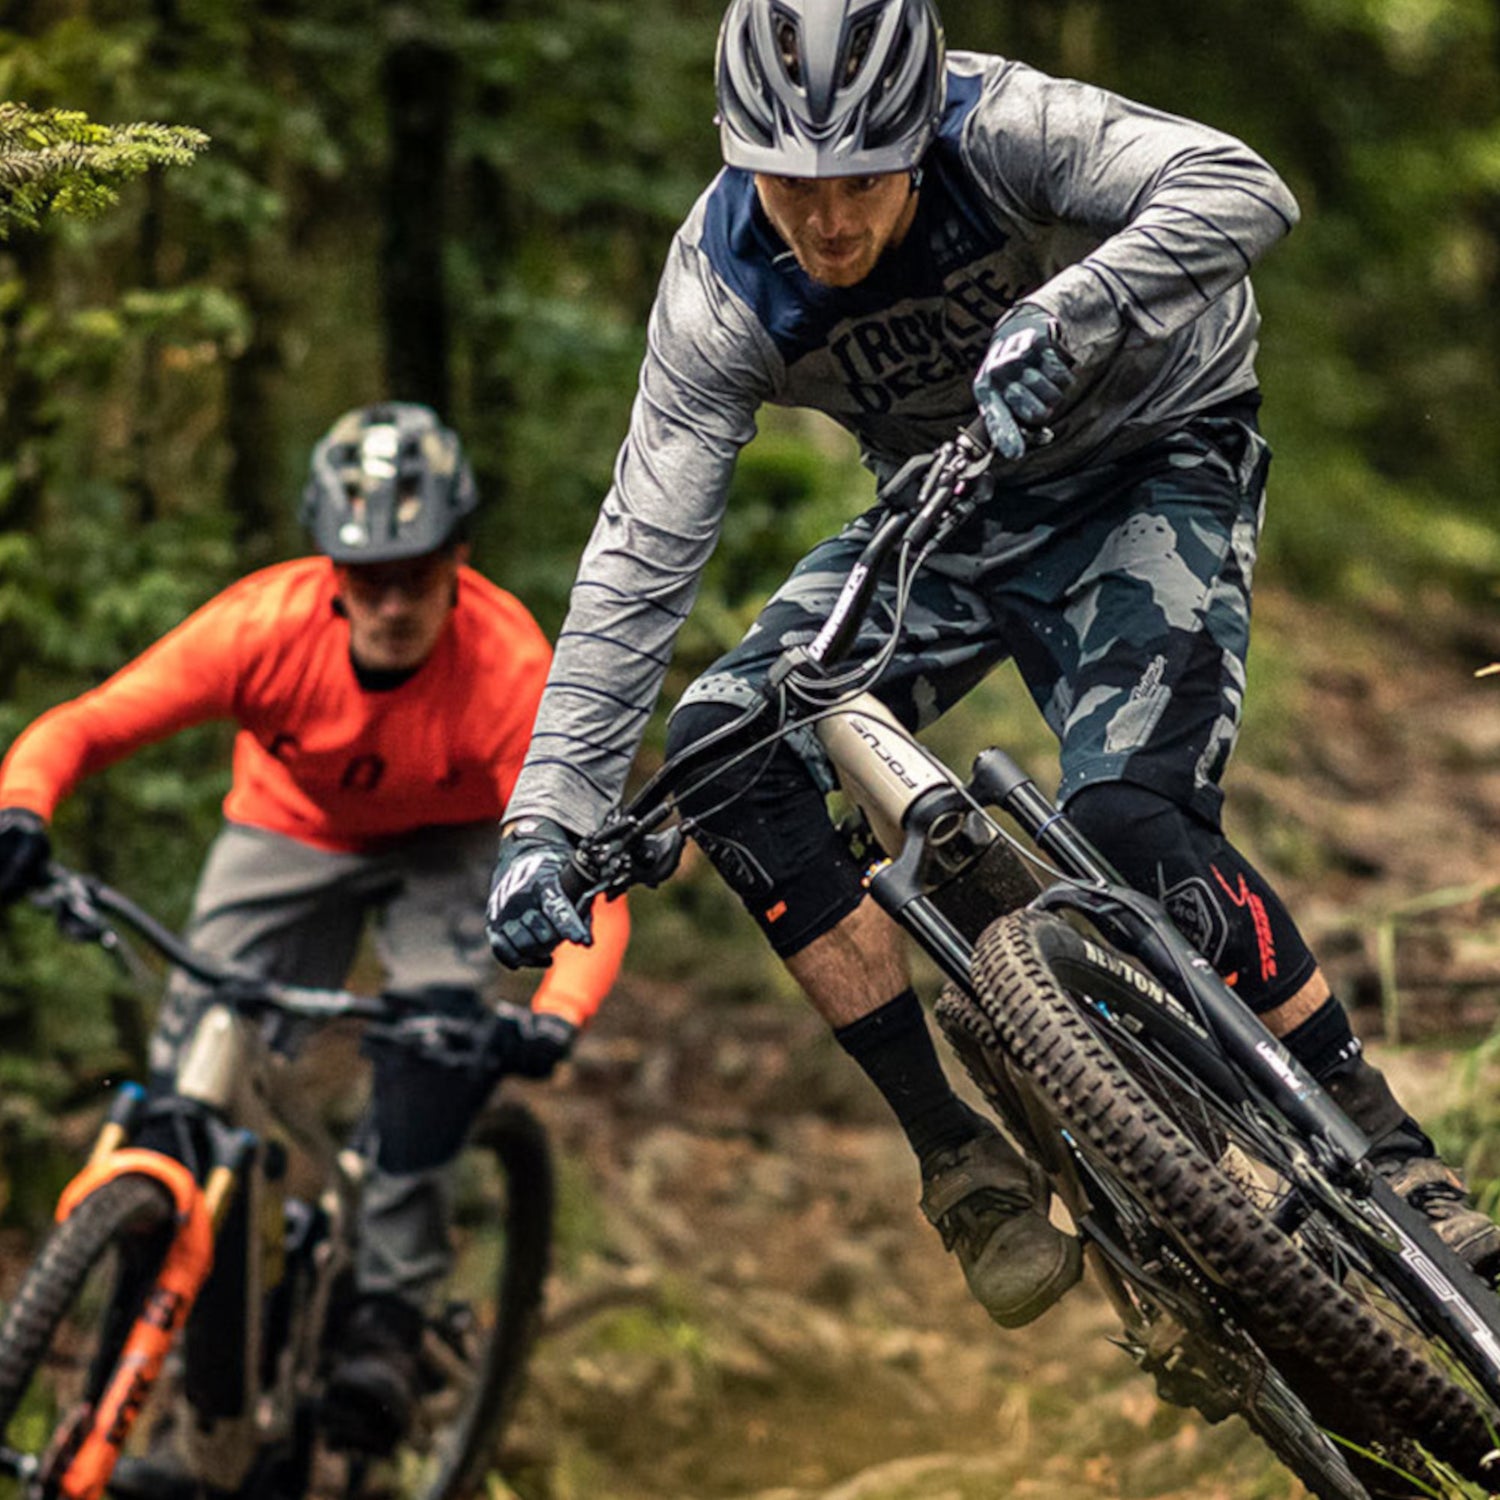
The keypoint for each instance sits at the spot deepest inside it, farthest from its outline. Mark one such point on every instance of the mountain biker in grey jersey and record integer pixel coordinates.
(890, 221)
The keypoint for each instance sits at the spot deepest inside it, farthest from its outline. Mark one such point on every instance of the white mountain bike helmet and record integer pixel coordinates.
(829, 88)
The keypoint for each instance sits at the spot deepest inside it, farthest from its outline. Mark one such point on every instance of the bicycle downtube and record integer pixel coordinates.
(166, 1307)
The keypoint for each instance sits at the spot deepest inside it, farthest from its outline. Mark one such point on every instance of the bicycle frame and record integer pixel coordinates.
(235, 1081)
(930, 825)
(182, 1195)
(933, 826)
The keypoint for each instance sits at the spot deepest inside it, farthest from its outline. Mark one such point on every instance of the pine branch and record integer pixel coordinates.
(59, 161)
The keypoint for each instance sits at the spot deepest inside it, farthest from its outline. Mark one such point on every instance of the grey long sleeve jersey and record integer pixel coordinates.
(1136, 229)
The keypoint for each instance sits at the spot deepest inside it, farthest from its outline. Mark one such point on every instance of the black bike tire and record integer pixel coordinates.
(1295, 1438)
(133, 1203)
(521, 1146)
(1291, 1303)
(1233, 1113)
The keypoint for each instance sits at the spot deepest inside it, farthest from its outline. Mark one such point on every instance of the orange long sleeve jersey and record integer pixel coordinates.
(318, 758)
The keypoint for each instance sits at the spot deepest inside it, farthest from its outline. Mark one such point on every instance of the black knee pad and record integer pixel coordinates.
(1138, 830)
(1222, 905)
(764, 825)
(696, 721)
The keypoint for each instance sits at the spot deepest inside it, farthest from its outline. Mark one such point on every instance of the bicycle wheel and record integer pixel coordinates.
(1269, 1329)
(480, 1336)
(1361, 1239)
(63, 1332)
(1172, 1327)
(1362, 1235)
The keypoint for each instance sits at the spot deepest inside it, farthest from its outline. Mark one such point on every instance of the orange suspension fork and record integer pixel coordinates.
(166, 1307)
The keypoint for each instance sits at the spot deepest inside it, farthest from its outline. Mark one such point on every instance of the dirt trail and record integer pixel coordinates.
(753, 1307)
(762, 1312)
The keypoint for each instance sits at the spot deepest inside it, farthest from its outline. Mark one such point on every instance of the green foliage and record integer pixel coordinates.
(1469, 1132)
(165, 368)
(58, 161)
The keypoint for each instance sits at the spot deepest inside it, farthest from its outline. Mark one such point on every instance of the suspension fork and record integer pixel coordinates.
(169, 1300)
(914, 806)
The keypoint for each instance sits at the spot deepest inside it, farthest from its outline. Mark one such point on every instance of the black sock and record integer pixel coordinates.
(1324, 1043)
(1326, 1046)
(894, 1047)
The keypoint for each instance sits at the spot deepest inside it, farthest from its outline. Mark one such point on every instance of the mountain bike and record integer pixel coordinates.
(1257, 1263)
(101, 1365)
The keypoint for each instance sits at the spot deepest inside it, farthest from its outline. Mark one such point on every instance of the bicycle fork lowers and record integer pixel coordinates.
(80, 1461)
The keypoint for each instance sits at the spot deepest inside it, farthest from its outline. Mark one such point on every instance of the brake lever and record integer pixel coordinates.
(601, 870)
(953, 487)
(446, 1041)
(68, 896)
(660, 855)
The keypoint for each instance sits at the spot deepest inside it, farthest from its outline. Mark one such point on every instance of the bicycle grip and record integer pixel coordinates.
(576, 881)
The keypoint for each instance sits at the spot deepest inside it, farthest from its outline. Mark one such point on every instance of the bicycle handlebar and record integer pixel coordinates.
(626, 850)
(85, 906)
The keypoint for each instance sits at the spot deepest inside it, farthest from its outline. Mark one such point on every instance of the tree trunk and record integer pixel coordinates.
(253, 488)
(492, 233)
(418, 80)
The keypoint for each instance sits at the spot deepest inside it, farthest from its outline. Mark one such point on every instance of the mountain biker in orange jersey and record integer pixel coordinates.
(384, 694)
(897, 233)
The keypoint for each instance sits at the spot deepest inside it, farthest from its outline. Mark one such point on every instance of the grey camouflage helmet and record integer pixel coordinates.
(388, 482)
(829, 88)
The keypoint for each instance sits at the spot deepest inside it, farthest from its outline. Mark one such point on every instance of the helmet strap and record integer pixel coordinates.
(916, 178)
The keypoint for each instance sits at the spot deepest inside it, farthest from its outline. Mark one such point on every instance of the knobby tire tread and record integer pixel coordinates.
(1291, 1303)
(130, 1204)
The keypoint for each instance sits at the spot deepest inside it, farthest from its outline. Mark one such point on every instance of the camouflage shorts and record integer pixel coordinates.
(1123, 594)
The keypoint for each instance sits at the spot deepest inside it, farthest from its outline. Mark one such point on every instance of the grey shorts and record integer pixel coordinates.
(298, 913)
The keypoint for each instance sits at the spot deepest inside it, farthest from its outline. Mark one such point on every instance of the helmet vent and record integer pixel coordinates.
(789, 47)
(899, 54)
(857, 51)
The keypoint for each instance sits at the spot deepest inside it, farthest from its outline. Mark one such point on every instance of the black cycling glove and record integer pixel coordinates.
(529, 915)
(24, 852)
(535, 1041)
(1024, 377)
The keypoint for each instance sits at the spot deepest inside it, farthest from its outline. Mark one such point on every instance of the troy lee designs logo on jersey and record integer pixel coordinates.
(903, 351)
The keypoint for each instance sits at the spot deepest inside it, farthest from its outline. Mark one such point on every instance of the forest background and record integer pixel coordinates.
(468, 204)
